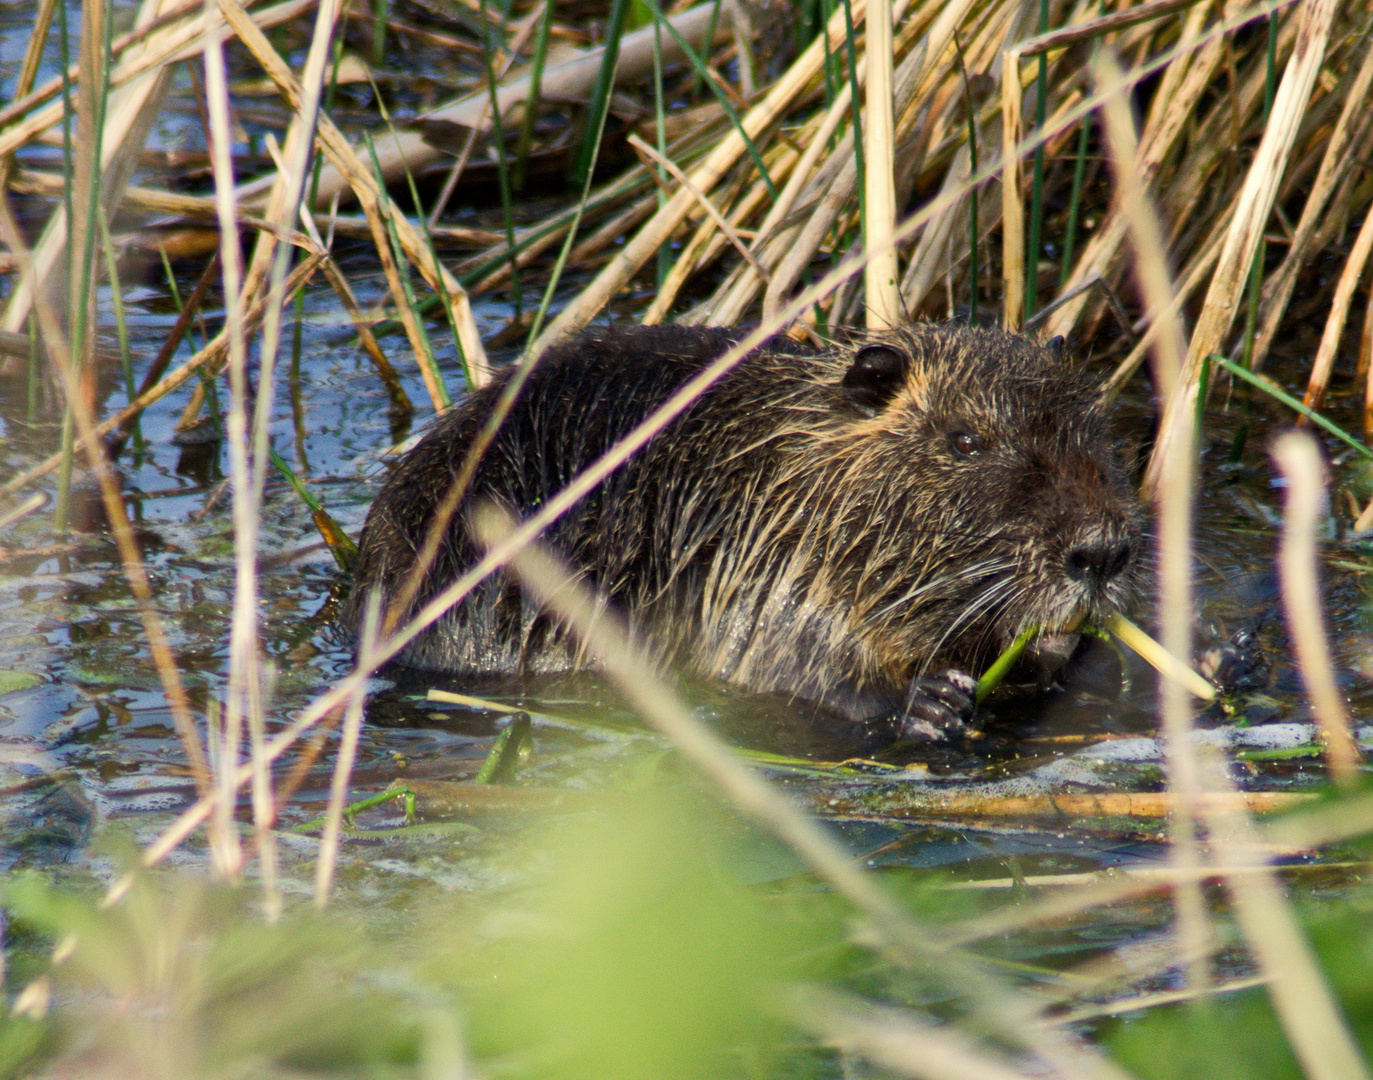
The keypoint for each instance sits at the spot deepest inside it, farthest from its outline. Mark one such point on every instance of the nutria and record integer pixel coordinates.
(833, 523)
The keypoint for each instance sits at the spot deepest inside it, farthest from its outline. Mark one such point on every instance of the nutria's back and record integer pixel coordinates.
(824, 522)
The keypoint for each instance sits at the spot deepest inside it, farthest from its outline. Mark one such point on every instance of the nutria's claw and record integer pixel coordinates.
(938, 707)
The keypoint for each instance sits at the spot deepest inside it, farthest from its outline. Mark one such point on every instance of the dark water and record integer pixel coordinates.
(86, 743)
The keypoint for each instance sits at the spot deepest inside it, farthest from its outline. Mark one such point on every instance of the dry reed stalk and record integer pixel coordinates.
(370, 194)
(1174, 499)
(1252, 209)
(1186, 79)
(1012, 198)
(884, 309)
(1300, 461)
(1113, 804)
(1307, 1008)
(1335, 162)
(1339, 313)
(226, 850)
(706, 175)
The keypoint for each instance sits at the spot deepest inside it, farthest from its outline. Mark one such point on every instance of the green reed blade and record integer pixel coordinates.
(600, 96)
(1273, 390)
(972, 192)
(855, 104)
(696, 62)
(531, 101)
(502, 167)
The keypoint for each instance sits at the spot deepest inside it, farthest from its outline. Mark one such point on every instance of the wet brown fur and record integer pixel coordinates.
(780, 536)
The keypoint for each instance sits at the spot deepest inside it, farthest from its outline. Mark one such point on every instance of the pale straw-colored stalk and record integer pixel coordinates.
(1350, 276)
(1340, 151)
(343, 764)
(1300, 461)
(225, 850)
(1174, 501)
(884, 310)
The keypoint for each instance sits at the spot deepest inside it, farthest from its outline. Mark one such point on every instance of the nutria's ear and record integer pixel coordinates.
(1057, 345)
(874, 377)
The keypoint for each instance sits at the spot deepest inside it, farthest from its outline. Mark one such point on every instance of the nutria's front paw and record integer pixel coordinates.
(1238, 665)
(937, 708)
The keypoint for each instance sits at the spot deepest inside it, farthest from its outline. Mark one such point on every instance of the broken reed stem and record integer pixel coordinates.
(1299, 459)
(1350, 276)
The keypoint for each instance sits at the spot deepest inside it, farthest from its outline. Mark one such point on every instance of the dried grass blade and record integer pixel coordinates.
(1012, 198)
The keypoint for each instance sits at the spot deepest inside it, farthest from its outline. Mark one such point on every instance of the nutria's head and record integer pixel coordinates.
(974, 493)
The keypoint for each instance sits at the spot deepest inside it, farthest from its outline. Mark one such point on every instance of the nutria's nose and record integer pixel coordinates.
(1097, 560)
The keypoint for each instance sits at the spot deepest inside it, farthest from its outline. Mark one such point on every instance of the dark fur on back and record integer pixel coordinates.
(785, 534)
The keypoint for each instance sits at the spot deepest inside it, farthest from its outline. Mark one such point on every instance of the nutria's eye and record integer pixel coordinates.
(965, 444)
(873, 378)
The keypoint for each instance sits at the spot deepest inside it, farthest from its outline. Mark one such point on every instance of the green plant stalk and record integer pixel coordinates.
(1271, 388)
(855, 104)
(831, 61)
(600, 95)
(340, 544)
(991, 678)
(1074, 205)
(531, 101)
(378, 32)
(509, 747)
(537, 324)
(502, 166)
(1037, 188)
(696, 62)
(403, 273)
(121, 325)
(697, 74)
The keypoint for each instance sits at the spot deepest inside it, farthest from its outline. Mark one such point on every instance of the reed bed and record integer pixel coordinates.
(1176, 181)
